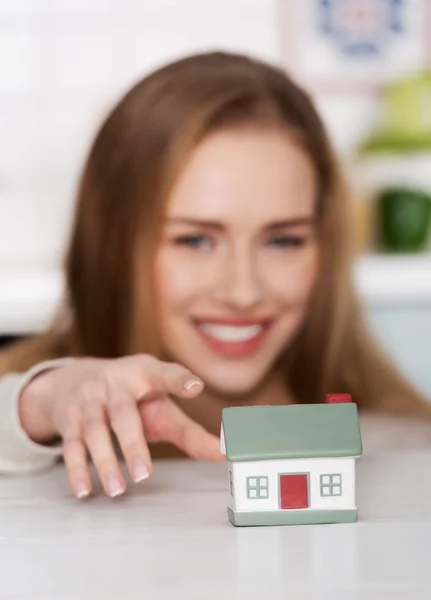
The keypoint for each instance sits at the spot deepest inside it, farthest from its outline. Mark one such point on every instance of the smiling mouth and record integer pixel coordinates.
(231, 333)
(233, 340)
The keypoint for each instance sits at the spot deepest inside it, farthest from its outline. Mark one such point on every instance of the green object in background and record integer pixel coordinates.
(405, 118)
(404, 219)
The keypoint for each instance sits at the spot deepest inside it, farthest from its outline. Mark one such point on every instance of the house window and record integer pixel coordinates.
(257, 487)
(330, 485)
(230, 482)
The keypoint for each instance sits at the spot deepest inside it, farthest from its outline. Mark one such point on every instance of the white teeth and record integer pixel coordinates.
(227, 333)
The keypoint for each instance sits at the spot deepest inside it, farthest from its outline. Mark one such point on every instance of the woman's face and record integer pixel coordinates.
(239, 256)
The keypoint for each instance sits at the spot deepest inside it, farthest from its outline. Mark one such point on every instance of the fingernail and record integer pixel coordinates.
(114, 485)
(139, 470)
(192, 382)
(81, 490)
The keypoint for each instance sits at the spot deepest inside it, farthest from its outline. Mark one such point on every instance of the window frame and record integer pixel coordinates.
(331, 485)
(258, 487)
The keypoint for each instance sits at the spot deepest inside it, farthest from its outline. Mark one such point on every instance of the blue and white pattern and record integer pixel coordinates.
(361, 28)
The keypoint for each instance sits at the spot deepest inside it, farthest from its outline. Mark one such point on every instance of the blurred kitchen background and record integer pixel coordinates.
(367, 64)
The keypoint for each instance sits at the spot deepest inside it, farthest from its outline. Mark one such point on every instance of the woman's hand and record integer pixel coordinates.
(83, 401)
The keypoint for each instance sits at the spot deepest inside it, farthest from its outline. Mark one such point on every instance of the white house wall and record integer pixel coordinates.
(231, 499)
(222, 441)
(273, 468)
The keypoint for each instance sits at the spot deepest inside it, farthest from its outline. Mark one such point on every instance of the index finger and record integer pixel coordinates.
(160, 378)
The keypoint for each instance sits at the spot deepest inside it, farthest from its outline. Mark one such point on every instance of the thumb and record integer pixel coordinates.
(164, 421)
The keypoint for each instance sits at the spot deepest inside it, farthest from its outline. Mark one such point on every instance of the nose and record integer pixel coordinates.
(239, 284)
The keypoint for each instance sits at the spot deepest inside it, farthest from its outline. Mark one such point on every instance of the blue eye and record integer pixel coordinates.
(192, 241)
(286, 241)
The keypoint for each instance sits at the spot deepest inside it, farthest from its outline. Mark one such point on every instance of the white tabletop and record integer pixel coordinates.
(169, 537)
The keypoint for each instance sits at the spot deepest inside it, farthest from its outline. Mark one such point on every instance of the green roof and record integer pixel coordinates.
(291, 431)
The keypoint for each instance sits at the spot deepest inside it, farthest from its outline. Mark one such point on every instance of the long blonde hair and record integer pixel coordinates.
(109, 307)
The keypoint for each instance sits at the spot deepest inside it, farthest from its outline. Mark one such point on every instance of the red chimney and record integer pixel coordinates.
(337, 398)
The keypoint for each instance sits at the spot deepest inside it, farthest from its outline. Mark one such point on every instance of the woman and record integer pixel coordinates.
(209, 265)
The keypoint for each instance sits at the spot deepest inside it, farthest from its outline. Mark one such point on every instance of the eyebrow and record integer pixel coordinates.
(294, 222)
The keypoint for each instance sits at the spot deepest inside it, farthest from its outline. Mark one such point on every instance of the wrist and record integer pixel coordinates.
(34, 410)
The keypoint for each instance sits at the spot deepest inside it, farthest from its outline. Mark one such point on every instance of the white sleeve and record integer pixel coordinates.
(18, 453)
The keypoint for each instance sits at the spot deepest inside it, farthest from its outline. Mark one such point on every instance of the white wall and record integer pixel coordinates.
(62, 65)
(273, 468)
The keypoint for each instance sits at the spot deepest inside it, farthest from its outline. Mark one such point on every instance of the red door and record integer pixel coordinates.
(294, 491)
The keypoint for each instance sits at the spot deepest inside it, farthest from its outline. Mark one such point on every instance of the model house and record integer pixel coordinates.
(292, 464)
